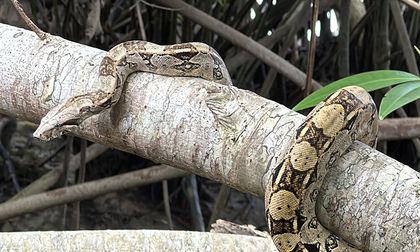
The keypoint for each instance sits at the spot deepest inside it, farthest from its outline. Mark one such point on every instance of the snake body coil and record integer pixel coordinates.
(346, 116)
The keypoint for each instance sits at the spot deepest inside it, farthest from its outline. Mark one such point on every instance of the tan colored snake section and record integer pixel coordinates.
(188, 59)
(346, 116)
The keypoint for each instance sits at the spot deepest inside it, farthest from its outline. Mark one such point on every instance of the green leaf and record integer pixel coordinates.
(369, 80)
(398, 97)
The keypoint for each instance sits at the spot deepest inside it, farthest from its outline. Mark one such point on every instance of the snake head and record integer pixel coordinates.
(64, 118)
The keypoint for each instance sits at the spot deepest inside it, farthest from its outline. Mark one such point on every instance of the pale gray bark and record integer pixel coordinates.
(132, 240)
(370, 199)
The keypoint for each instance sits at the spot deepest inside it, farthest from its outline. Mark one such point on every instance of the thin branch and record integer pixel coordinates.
(166, 203)
(312, 48)
(80, 180)
(66, 163)
(219, 204)
(141, 24)
(53, 154)
(189, 186)
(344, 40)
(412, 4)
(227, 227)
(41, 34)
(158, 6)
(87, 190)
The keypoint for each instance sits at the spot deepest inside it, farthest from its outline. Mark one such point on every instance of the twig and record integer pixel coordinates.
(219, 204)
(412, 4)
(343, 40)
(417, 49)
(158, 6)
(66, 164)
(42, 35)
(227, 227)
(80, 180)
(166, 203)
(312, 48)
(189, 187)
(55, 152)
(141, 24)
(88, 190)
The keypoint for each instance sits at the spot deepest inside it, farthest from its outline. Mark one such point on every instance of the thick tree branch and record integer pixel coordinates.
(132, 240)
(87, 190)
(369, 198)
(399, 128)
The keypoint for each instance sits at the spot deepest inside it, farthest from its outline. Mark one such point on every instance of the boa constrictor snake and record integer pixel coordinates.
(347, 115)
(188, 59)
(344, 117)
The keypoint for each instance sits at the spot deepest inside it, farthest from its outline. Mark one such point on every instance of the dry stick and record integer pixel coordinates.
(40, 185)
(167, 204)
(88, 190)
(241, 40)
(140, 19)
(312, 48)
(412, 4)
(268, 83)
(344, 40)
(157, 6)
(53, 154)
(42, 35)
(219, 205)
(51, 178)
(360, 26)
(227, 227)
(189, 186)
(66, 164)
(80, 180)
